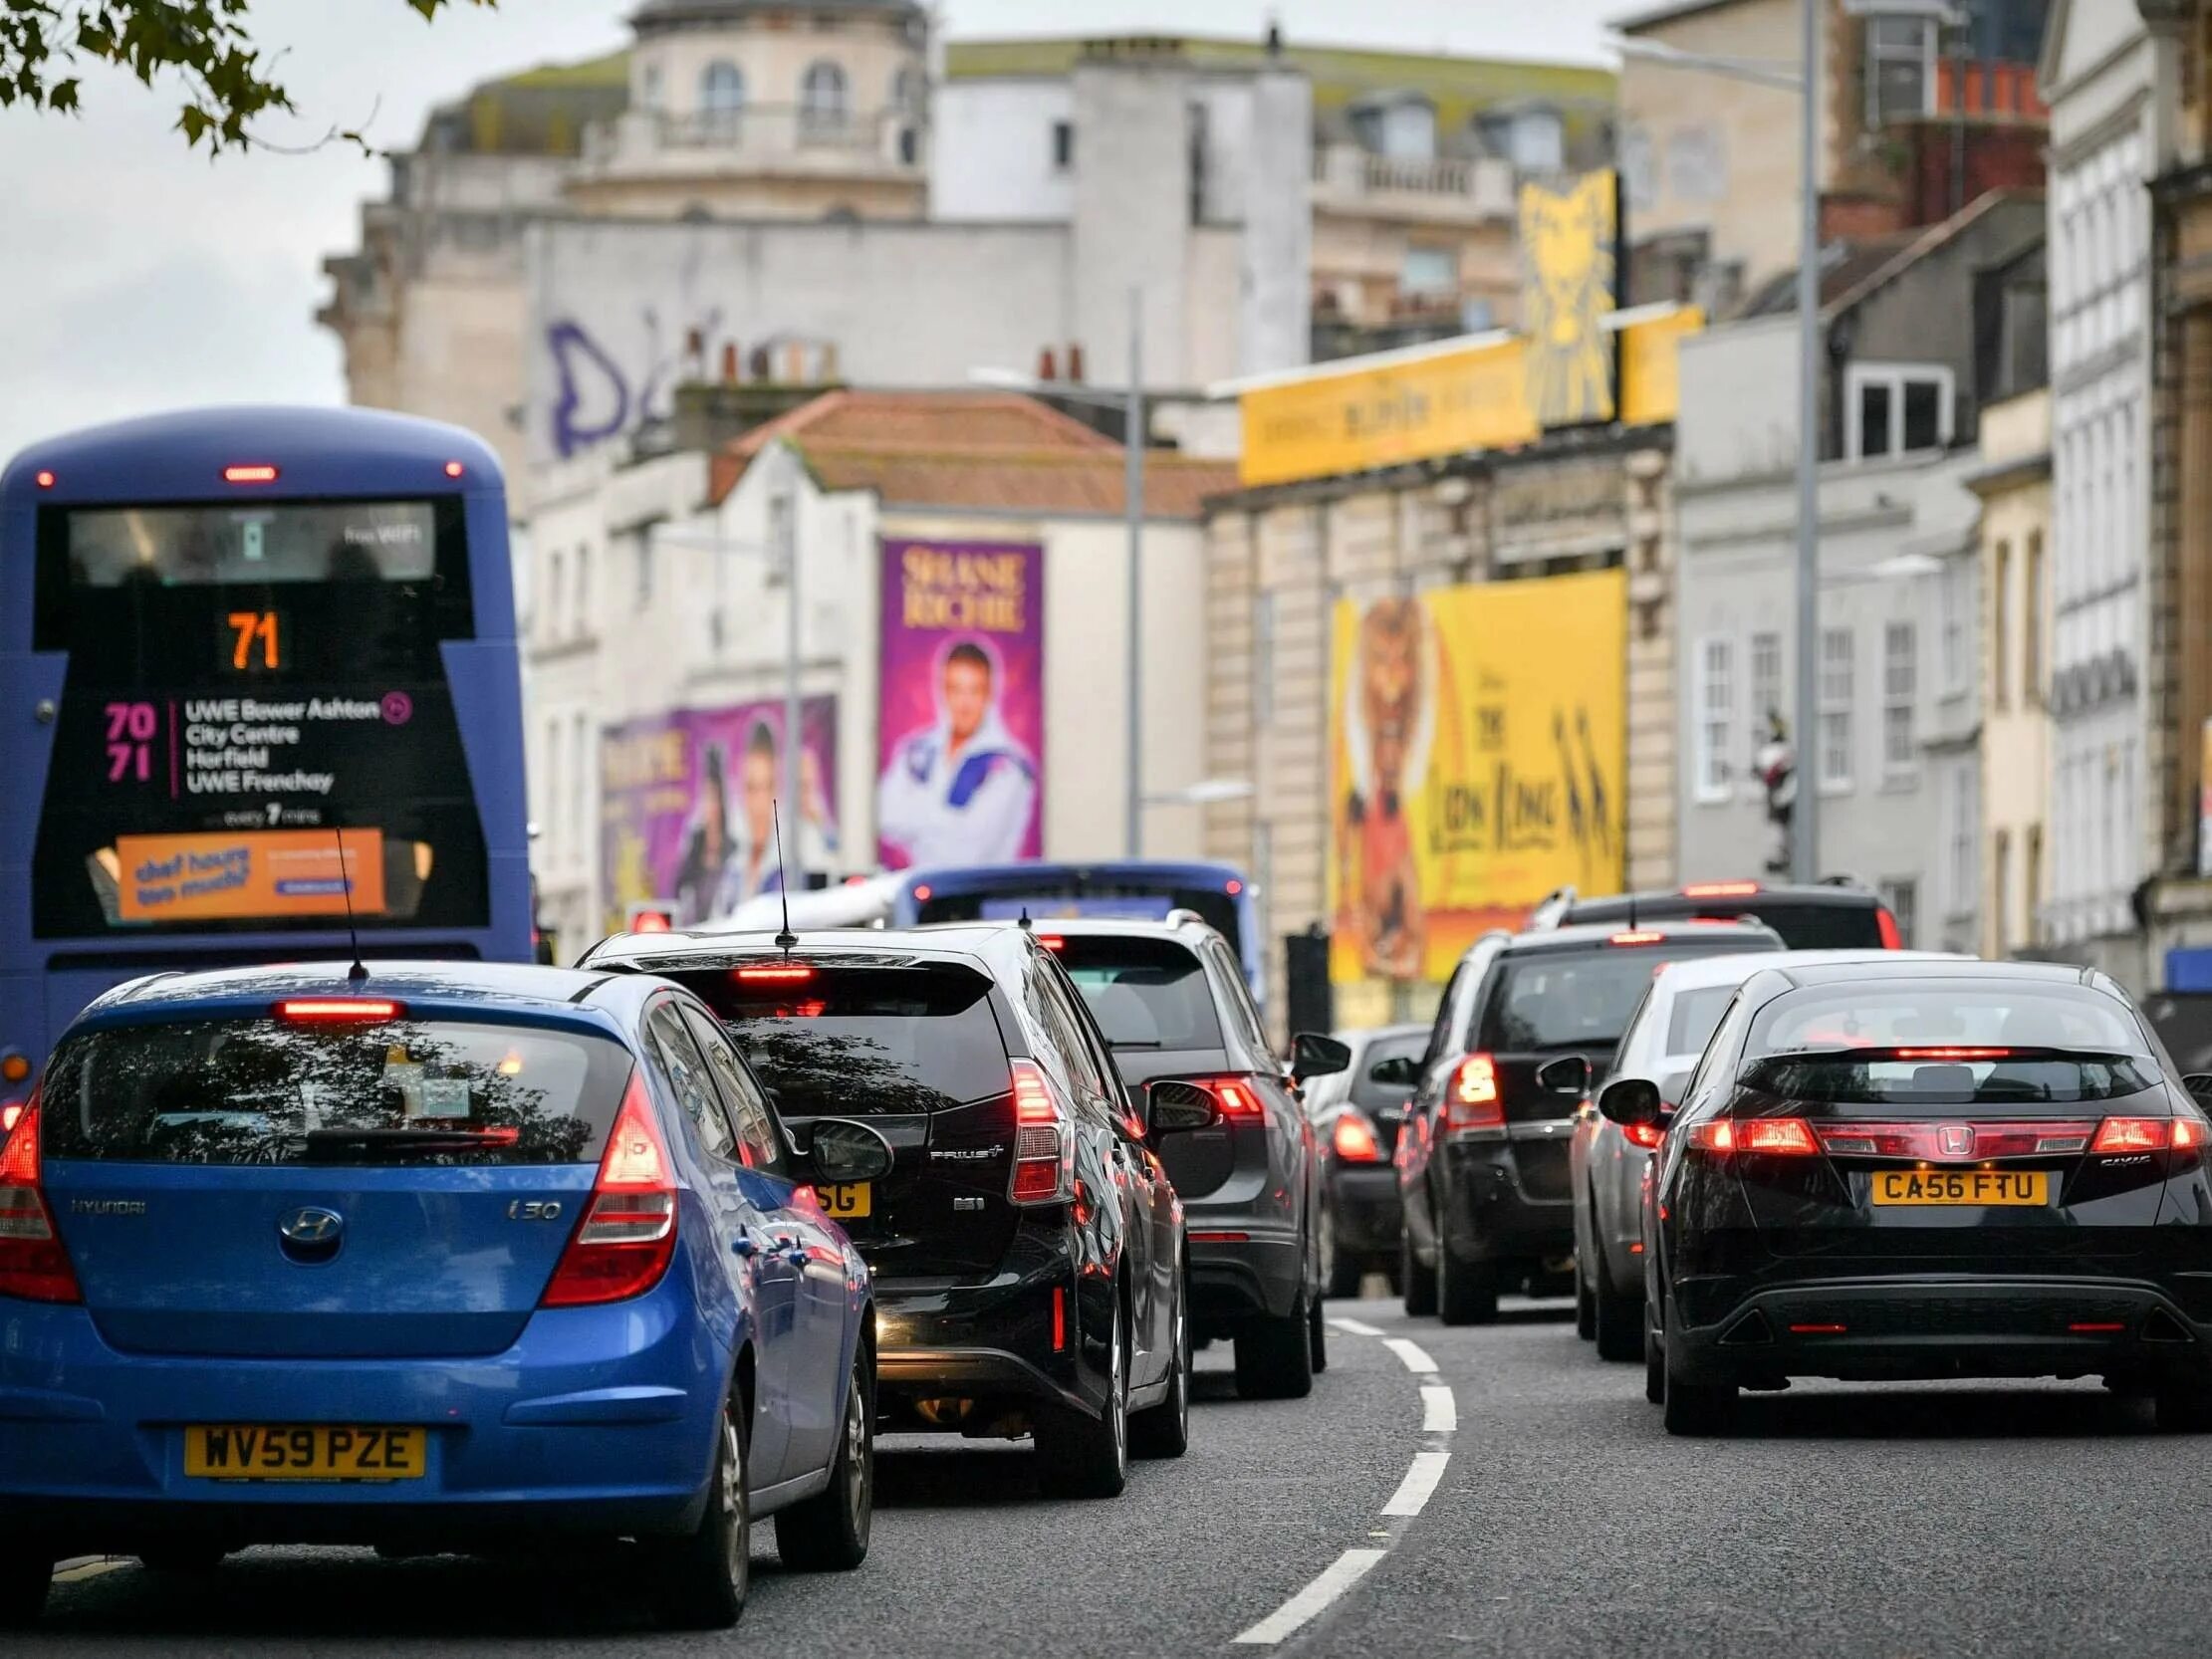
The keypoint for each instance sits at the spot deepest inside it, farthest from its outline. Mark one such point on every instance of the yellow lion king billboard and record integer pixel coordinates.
(1478, 750)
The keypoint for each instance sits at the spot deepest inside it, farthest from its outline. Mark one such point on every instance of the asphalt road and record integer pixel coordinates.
(1534, 1510)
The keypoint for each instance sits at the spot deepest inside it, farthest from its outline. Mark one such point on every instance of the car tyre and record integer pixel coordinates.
(1655, 1364)
(1275, 1357)
(2182, 1410)
(1585, 1308)
(25, 1578)
(1620, 1321)
(1163, 1430)
(828, 1533)
(1697, 1408)
(705, 1574)
(1417, 1284)
(1466, 1292)
(1081, 1456)
(1317, 1336)
(1344, 1274)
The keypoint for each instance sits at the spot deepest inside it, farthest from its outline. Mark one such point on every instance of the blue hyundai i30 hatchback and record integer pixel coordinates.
(452, 1257)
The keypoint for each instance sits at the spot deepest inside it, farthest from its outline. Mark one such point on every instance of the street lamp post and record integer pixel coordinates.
(1806, 81)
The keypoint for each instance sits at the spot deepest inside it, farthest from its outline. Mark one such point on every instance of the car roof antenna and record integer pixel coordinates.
(1025, 919)
(358, 974)
(787, 939)
(1631, 911)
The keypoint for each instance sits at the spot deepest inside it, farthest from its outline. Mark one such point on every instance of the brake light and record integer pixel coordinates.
(2147, 1135)
(1052, 941)
(1238, 1101)
(1891, 938)
(650, 921)
(788, 973)
(1645, 1136)
(1473, 1099)
(33, 1263)
(1720, 890)
(1787, 1137)
(1954, 1054)
(358, 1008)
(1044, 1140)
(1636, 939)
(628, 1237)
(256, 474)
(8, 1115)
(1353, 1140)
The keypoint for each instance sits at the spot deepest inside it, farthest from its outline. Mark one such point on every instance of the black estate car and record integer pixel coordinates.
(1923, 1169)
(1526, 1023)
(1027, 1246)
(1172, 1003)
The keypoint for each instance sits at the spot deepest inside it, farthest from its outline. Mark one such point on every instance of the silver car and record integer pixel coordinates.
(1608, 1164)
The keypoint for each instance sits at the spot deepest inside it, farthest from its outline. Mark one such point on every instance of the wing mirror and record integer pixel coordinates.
(1399, 1071)
(1632, 1103)
(1316, 1055)
(837, 1150)
(1568, 1076)
(1172, 1107)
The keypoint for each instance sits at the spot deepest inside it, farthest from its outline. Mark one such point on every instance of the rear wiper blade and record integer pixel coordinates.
(1134, 1043)
(428, 1141)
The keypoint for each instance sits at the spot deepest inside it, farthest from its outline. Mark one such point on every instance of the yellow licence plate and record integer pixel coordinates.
(1961, 1186)
(304, 1452)
(846, 1199)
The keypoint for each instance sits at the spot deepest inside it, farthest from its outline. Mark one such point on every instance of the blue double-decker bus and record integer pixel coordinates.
(258, 671)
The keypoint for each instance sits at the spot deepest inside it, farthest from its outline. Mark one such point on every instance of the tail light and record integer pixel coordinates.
(1044, 1140)
(1891, 937)
(1240, 1103)
(628, 1237)
(1353, 1140)
(2149, 1134)
(1645, 1136)
(1474, 1099)
(33, 1263)
(1787, 1137)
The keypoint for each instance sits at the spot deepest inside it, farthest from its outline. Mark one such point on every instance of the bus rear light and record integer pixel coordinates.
(1233, 887)
(33, 1263)
(1473, 1099)
(360, 1009)
(255, 473)
(454, 469)
(1044, 1140)
(1891, 937)
(921, 893)
(626, 1238)
(44, 480)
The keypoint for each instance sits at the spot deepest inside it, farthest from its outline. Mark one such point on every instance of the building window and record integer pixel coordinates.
(580, 793)
(1999, 624)
(551, 626)
(2000, 890)
(2031, 623)
(648, 92)
(1835, 709)
(1896, 410)
(1901, 68)
(1429, 272)
(1716, 715)
(1900, 682)
(1902, 898)
(645, 569)
(2031, 879)
(1262, 659)
(1766, 679)
(822, 100)
(1536, 141)
(1966, 832)
(1064, 145)
(906, 91)
(556, 813)
(721, 88)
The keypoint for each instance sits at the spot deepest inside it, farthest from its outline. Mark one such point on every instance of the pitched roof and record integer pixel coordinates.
(1851, 270)
(976, 450)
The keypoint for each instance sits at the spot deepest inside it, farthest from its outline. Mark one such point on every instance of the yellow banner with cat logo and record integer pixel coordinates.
(1478, 757)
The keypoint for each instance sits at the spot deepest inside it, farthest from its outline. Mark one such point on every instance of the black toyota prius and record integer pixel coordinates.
(1929, 1169)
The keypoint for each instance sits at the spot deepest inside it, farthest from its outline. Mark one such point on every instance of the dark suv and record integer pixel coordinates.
(1027, 1246)
(1526, 1023)
(1173, 1004)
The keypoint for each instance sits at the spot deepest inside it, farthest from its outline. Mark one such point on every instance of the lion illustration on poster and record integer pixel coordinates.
(1566, 292)
(1390, 721)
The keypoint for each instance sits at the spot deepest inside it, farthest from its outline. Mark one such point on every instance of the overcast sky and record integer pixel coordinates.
(137, 276)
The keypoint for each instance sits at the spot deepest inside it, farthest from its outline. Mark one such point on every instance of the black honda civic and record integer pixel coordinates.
(1915, 1170)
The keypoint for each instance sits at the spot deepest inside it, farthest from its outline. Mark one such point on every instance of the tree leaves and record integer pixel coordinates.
(206, 45)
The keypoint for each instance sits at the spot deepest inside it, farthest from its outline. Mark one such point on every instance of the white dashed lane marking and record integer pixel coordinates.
(1420, 1485)
(1344, 1573)
(1413, 1356)
(1354, 1327)
(1439, 1411)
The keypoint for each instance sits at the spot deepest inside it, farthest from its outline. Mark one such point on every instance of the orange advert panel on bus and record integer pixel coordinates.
(249, 873)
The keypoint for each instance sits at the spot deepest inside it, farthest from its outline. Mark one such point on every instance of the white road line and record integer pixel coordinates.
(1353, 1328)
(1420, 1485)
(1410, 1352)
(1439, 1411)
(1344, 1573)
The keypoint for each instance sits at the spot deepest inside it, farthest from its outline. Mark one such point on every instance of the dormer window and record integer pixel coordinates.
(1896, 408)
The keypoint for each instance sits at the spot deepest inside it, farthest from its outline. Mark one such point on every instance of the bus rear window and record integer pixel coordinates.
(273, 1092)
(250, 543)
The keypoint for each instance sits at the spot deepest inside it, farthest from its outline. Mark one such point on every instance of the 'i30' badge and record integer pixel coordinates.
(1955, 1140)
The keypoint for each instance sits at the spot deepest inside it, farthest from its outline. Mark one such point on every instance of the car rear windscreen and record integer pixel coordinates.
(861, 1042)
(272, 1092)
(1697, 1012)
(1370, 1095)
(1575, 999)
(1145, 993)
(1911, 1042)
